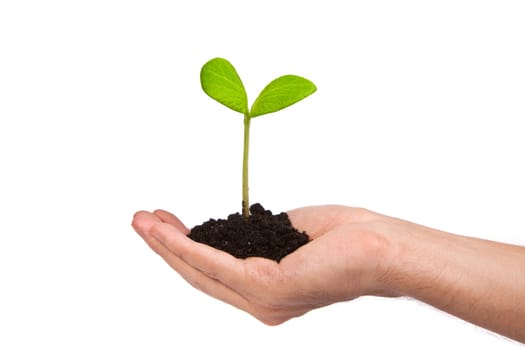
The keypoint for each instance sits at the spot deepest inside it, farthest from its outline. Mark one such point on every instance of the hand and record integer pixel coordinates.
(354, 252)
(344, 260)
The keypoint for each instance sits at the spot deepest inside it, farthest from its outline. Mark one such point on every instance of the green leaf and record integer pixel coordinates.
(220, 81)
(281, 93)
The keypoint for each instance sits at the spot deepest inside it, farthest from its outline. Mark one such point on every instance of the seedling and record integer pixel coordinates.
(220, 81)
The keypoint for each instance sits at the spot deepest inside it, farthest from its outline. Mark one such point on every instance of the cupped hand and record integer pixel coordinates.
(346, 258)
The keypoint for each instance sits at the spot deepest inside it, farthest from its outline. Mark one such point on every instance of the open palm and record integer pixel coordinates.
(342, 262)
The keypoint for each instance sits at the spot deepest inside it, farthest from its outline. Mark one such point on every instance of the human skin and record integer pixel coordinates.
(354, 252)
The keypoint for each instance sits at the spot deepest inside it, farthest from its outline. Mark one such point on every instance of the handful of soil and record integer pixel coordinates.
(263, 234)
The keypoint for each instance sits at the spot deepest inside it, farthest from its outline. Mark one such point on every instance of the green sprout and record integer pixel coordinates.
(220, 81)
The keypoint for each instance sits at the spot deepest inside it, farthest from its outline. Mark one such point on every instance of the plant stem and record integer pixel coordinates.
(245, 195)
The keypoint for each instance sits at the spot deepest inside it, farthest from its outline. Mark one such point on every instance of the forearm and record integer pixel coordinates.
(480, 281)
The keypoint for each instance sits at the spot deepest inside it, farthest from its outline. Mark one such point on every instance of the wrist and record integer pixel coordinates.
(415, 264)
(405, 262)
(380, 244)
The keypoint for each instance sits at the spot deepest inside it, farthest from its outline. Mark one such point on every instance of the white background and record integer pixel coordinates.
(419, 114)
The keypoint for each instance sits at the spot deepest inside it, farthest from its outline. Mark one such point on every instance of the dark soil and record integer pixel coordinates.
(263, 234)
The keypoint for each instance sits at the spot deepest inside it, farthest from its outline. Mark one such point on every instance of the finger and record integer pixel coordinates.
(317, 220)
(143, 221)
(169, 218)
(312, 220)
(196, 278)
(214, 263)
